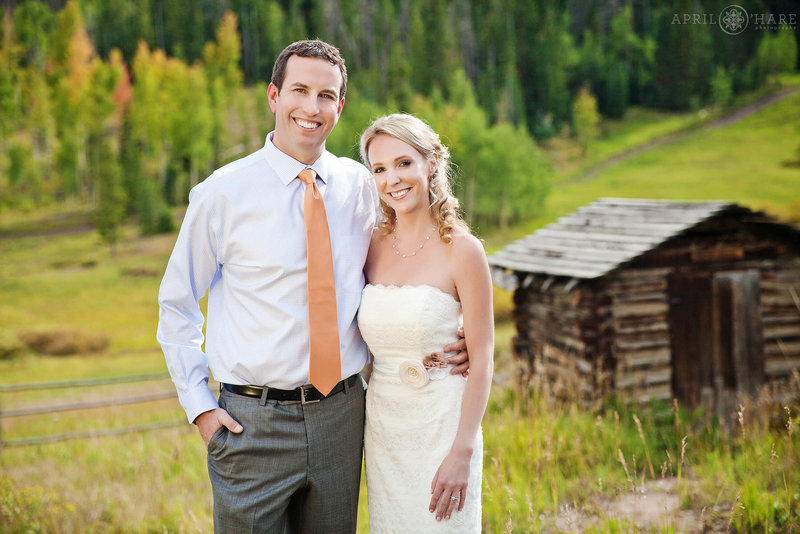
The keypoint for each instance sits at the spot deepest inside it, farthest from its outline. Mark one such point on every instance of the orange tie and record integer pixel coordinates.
(325, 369)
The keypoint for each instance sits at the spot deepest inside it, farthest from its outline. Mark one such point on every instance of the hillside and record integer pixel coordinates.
(745, 161)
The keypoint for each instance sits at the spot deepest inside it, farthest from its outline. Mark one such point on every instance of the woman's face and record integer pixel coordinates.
(401, 174)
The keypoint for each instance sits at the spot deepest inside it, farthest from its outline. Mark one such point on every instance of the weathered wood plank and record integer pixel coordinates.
(609, 225)
(784, 332)
(643, 328)
(532, 266)
(578, 253)
(627, 379)
(635, 360)
(650, 273)
(647, 343)
(776, 348)
(782, 366)
(639, 309)
(781, 318)
(655, 296)
(544, 241)
(645, 241)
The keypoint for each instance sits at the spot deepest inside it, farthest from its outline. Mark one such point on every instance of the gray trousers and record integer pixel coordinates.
(295, 469)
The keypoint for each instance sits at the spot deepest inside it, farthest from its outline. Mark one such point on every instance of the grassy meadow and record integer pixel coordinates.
(548, 467)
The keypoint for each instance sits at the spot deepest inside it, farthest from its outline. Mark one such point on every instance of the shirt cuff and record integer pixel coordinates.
(197, 400)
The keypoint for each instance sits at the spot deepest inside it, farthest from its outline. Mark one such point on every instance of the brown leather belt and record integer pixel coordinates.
(304, 394)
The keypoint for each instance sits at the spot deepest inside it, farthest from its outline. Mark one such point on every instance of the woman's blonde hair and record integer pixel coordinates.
(417, 134)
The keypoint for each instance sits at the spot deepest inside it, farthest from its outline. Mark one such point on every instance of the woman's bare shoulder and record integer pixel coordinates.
(466, 245)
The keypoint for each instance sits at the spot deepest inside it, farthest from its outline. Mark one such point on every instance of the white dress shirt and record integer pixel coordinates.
(243, 239)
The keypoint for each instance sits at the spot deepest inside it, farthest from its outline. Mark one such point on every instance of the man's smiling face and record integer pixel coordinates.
(306, 107)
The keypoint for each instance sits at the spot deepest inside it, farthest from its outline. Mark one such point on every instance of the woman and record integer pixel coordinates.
(425, 270)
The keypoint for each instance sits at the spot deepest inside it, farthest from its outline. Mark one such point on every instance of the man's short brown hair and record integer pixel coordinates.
(312, 48)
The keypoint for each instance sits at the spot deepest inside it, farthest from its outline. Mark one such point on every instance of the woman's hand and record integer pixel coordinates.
(449, 486)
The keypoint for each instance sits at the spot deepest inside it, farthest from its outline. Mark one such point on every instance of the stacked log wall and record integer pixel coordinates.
(640, 350)
(780, 305)
(557, 337)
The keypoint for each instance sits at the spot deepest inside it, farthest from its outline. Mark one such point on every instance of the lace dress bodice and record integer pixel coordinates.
(399, 323)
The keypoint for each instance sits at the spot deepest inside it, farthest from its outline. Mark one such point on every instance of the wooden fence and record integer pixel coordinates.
(85, 405)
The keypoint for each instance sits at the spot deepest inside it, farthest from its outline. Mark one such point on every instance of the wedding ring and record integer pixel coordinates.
(453, 498)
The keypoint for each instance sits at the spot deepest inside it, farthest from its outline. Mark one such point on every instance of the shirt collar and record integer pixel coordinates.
(287, 168)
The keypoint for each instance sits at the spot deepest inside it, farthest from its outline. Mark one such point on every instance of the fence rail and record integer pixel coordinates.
(102, 403)
(36, 440)
(29, 386)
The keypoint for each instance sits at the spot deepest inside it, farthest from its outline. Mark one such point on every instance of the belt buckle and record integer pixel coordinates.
(303, 389)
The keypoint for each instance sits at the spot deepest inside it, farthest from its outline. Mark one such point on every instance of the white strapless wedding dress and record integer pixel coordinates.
(411, 421)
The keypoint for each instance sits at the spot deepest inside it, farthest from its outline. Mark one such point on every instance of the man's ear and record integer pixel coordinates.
(341, 107)
(272, 96)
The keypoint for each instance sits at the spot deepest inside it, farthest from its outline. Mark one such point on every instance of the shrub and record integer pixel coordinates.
(10, 347)
(64, 342)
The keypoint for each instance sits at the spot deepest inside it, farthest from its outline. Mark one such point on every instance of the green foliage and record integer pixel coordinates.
(121, 24)
(10, 97)
(33, 23)
(501, 175)
(776, 54)
(20, 165)
(548, 54)
(110, 211)
(591, 64)
(721, 87)
(682, 59)
(512, 177)
(585, 118)
(616, 101)
(184, 109)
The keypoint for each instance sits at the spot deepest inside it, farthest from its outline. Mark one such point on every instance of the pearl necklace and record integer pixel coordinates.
(414, 252)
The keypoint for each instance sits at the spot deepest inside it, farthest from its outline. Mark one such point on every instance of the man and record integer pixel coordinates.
(283, 455)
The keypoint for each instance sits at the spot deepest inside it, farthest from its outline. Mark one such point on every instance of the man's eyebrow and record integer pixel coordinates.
(302, 85)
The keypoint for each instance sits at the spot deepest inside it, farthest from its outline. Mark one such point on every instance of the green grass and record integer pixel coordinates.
(542, 459)
(640, 126)
(741, 162)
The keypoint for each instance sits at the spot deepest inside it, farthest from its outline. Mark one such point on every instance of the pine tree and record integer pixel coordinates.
(616, 90)
(111, 200)
(682, 61)
(221, 59)
(33, 22)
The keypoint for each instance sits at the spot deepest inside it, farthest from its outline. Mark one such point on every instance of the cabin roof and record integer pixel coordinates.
(602, 236)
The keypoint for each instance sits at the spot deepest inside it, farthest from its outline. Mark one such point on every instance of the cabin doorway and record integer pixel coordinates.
(715, 338)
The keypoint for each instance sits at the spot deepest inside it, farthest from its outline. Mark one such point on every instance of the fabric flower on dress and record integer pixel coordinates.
(437, 366)
(413, 373)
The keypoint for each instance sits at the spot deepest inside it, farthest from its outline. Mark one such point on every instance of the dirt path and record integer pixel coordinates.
(654, 506)
(598, 169)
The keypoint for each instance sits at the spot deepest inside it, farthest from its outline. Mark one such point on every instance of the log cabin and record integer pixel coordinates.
(649, 299)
